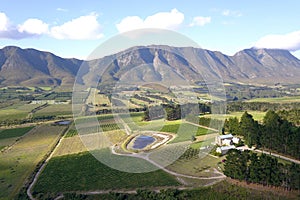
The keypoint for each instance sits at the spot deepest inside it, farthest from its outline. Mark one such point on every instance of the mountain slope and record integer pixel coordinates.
(31, 67)
(165, 64)
(150, 64)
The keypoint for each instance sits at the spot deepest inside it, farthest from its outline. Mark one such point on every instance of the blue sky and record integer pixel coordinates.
(75, 28)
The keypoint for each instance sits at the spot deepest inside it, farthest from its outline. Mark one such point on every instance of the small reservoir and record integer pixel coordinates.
(142, 141)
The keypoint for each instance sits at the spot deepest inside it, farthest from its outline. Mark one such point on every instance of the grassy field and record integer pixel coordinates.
(184, 131)
(14, 132)
(223, 190)
(257, 115)
(16, 111)
(55, 110)
(74, 144)
(68, 173)
(277, 99)
(19, 161)
(202, 167)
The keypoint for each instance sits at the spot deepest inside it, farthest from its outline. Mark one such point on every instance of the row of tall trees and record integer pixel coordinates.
(275, 133)
(175, 111)
(262, 169)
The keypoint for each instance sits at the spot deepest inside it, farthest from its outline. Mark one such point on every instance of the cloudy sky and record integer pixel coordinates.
(75, 28)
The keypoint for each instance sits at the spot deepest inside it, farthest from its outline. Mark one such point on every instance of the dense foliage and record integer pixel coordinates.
(275, 133)
(176, 111)
(260, 106)
(262, 169)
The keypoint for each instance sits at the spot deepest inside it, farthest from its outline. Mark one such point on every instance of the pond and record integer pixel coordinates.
(65, 122)
(142, 141)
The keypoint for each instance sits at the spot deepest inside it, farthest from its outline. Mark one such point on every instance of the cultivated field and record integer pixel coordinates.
(16, 111)
(290, 99)
(257, 115)
(82, 172)
(55, 110)
(19, 161)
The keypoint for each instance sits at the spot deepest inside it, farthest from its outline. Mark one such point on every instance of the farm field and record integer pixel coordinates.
(289, 99)
(19, 161)
(221, 190)
(14, 132)
(74, 144)
(16, 111)
(257, 115)
(9, 136)
(196, 166)
(55, 110)
(62, 175)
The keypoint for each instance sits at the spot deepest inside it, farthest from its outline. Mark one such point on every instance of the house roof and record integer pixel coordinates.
(228, 136)
(224, 148)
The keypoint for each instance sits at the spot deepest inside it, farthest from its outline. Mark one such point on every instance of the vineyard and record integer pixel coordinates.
(14, 132)
(61, 175)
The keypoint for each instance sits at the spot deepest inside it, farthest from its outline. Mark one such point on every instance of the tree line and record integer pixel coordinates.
(260, 106)
(275, 133)
(175, 111)
(261, 169)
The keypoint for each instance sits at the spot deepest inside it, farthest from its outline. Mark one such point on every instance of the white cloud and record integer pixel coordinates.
(232, 13)
(4, 22)
(84, 27)
(200, 21)
(289, 41)
(33, 26)
(164, 20)
(62, 9)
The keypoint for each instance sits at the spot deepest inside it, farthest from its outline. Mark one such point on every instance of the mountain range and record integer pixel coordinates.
(154, 63)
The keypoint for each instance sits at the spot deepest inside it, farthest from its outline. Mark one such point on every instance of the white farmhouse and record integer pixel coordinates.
(223, 150)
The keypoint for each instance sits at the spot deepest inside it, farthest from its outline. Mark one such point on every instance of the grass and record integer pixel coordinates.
(184, 131)
(19, 162)
(6, 142)
(45, 88)
(201, 166)
(55, 110)
(14, 132)
(62, 174)
(289, 99)
(222, 190)
(206, 142)
(16, 111)
(257, 115)
(71, 133)
(76, 144)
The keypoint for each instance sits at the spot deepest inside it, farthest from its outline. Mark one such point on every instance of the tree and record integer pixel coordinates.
(235, 165)
(232, 125)
(249, 129)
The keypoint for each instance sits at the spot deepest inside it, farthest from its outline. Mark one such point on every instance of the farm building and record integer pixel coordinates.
(223, 150)
(224, 139)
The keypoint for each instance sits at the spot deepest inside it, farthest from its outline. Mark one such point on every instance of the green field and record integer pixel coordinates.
(257, 115)
(82, 172)
(184, 131)
(18, 162)
(14, 132)
(223, 190)
(16, 111)
(55, 110)
(201, 166)
(289, 99)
